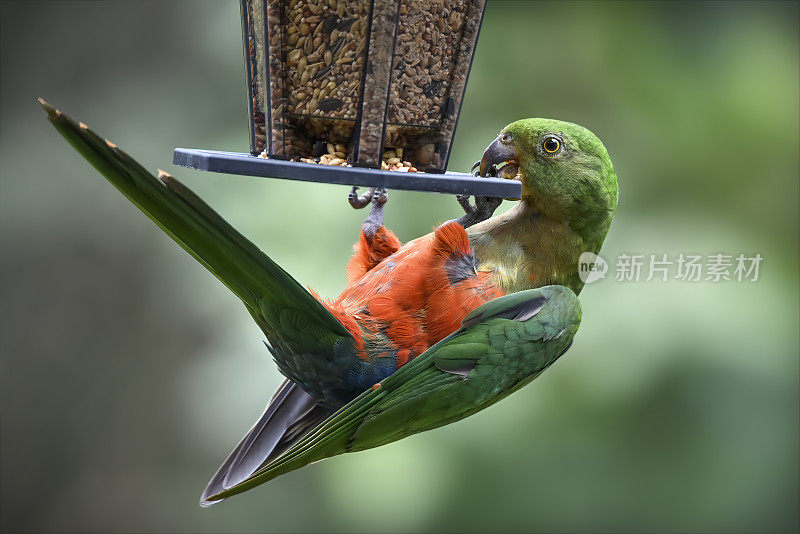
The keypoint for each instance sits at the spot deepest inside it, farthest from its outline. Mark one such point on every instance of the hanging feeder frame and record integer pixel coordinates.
(363, 83)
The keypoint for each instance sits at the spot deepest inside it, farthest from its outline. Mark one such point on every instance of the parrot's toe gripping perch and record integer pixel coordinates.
(357, 201)
(484, 207)
(379, 197)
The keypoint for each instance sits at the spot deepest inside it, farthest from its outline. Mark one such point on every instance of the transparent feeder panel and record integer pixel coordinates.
(255, 57)
(435, 44)
(383, 30)
(317, 50)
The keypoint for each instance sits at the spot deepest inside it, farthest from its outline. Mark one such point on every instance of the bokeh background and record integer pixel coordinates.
(128, 371)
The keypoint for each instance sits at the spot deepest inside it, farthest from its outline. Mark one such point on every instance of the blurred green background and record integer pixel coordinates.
(128, 371)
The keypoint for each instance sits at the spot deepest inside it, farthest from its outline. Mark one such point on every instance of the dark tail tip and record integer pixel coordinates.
(206, 501)
(53, 112)
(165, 177)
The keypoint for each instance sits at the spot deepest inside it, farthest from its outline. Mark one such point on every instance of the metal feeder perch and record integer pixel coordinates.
(356, 92)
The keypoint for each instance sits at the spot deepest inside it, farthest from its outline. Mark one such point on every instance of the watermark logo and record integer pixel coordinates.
(591, 267)
(663, 267)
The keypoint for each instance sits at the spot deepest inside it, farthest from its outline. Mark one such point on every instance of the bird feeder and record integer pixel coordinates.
(356, 92)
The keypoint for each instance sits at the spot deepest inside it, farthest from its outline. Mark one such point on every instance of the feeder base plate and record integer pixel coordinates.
(246, 164)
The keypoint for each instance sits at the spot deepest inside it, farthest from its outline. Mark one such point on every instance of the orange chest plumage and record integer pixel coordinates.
(400, 300)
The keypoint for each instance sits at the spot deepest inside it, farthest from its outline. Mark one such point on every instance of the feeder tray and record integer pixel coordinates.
(350, 91)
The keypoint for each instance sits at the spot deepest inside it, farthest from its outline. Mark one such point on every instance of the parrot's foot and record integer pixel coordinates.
(483, 209)
(374, 220)
(357, 201)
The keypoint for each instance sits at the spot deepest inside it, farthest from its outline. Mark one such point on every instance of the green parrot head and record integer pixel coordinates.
(565, 172)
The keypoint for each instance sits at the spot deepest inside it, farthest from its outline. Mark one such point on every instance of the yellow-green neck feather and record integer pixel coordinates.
(525, 249)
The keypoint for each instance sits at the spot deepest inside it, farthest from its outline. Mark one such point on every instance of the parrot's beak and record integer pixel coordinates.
(497, 154)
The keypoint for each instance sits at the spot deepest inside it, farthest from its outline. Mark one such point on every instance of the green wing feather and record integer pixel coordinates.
(502, 346)
(289, 315)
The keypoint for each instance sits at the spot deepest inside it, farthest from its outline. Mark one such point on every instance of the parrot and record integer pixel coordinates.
(425, 333)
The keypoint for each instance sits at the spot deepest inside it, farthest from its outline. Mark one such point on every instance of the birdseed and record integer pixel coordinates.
(389, 162)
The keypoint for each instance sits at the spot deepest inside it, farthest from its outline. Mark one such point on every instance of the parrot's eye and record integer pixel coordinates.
(505, 138)
(551, 144)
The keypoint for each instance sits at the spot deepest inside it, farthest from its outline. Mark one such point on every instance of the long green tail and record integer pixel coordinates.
(287, 313)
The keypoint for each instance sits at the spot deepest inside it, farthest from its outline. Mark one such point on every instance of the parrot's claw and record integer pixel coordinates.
(357, 201)
(475, 170)
(379, 196)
